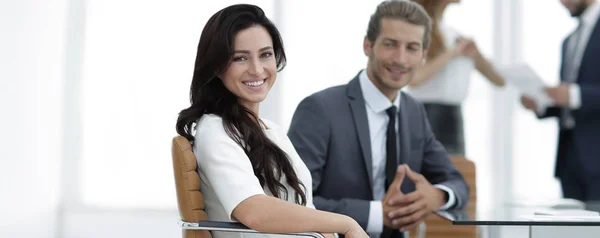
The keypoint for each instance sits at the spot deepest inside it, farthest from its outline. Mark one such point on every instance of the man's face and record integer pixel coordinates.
(395, 55)
(575, 7)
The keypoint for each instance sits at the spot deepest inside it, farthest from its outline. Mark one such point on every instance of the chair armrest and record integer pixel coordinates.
(234, 227)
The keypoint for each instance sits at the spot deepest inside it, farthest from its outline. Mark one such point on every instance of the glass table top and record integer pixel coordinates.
(519, 214)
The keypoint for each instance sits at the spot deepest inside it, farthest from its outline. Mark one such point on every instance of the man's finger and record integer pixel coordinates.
(412, 225)
(409, 226)
(408, 210)
(405, 199)
(398, 179)
(412, 218)
(414, 176)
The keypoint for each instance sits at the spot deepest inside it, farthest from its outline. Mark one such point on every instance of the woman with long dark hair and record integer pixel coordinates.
(249, 169)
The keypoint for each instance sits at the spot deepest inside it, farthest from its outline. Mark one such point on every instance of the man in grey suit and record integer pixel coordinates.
(369, 146)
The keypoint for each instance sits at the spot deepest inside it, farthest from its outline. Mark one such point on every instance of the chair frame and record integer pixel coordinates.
(235, 227)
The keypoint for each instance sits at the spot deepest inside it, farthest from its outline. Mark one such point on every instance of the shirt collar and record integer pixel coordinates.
(374, 98)
(590, 15)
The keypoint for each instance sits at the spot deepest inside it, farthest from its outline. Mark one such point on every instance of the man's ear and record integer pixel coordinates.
(367, 47)
(425, 55)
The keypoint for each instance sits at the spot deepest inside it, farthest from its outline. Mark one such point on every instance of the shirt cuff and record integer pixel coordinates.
(451, 197)
(375, 223)
(574, 96)
(540, 110)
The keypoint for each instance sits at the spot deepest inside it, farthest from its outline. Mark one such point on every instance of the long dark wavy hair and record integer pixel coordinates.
(208, 95)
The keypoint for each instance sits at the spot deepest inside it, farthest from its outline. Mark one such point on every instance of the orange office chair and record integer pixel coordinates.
(194, 221)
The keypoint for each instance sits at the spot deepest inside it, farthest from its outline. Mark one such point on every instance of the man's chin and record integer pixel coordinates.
(398, 83)
(396, 86)
(578, 10)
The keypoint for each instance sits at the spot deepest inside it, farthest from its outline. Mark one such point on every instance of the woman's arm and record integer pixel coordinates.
(436, 64)
(483, 65)
(230, 174)
(268, 214)
(432, 67)
(485, 68)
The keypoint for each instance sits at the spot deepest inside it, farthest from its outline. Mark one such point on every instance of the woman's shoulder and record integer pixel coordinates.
(208, 121)
(450, 33)
(269, 124)
(209, 125)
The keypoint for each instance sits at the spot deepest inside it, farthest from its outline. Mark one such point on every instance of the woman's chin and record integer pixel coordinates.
(253, 99)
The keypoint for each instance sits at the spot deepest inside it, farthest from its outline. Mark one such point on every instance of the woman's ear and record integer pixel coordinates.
(219, 75)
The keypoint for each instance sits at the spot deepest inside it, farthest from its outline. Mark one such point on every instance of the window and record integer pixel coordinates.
(535, 140)
(138, 64)
(477, 109)
(324, 47)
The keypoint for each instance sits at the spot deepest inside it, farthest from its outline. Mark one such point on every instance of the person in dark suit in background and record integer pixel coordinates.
(577, 105)
(369, 147)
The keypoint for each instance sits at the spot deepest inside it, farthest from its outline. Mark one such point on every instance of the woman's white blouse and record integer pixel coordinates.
(451, 84)
(226, 173)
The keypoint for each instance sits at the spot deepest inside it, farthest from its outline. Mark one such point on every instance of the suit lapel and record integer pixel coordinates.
(562, 64)
(361, 123)
(594, 38)
(404, 130)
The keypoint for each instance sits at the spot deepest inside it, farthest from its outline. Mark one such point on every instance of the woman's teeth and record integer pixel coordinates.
(254, 83)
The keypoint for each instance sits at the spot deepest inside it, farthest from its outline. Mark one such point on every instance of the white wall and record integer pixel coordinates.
(104, 223)
(31, 86)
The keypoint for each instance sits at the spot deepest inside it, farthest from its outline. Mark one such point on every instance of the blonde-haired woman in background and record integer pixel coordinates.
(442, 83)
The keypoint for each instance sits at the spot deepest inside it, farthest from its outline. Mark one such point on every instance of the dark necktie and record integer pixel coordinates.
(390, 147)
(391, 163)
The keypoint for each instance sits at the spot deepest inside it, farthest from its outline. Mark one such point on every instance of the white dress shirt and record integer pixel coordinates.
(588, 18)
(376, 104)
(450, 85)
(227, 176)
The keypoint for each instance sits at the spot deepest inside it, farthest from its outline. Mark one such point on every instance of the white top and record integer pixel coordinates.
(376, 103)
(451, 84)
(226, 173)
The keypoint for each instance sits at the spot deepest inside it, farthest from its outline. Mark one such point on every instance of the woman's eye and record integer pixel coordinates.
(239, 58)
(266, 54)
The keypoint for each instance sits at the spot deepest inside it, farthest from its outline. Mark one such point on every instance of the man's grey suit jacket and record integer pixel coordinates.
(330, 132)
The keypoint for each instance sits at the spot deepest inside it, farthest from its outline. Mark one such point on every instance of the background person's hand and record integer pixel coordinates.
(528, 103)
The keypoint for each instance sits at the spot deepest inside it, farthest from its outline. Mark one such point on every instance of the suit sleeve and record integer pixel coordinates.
(310, 133)
(590, 102)
(590, 98)
(549, 112)
(439, 169)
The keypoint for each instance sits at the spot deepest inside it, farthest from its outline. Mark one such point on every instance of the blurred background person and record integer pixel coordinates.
(577, 105)
(442, 83)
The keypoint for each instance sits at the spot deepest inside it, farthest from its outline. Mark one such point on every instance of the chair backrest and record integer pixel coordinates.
(187, 183)
(467, 169)
(439, 227)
